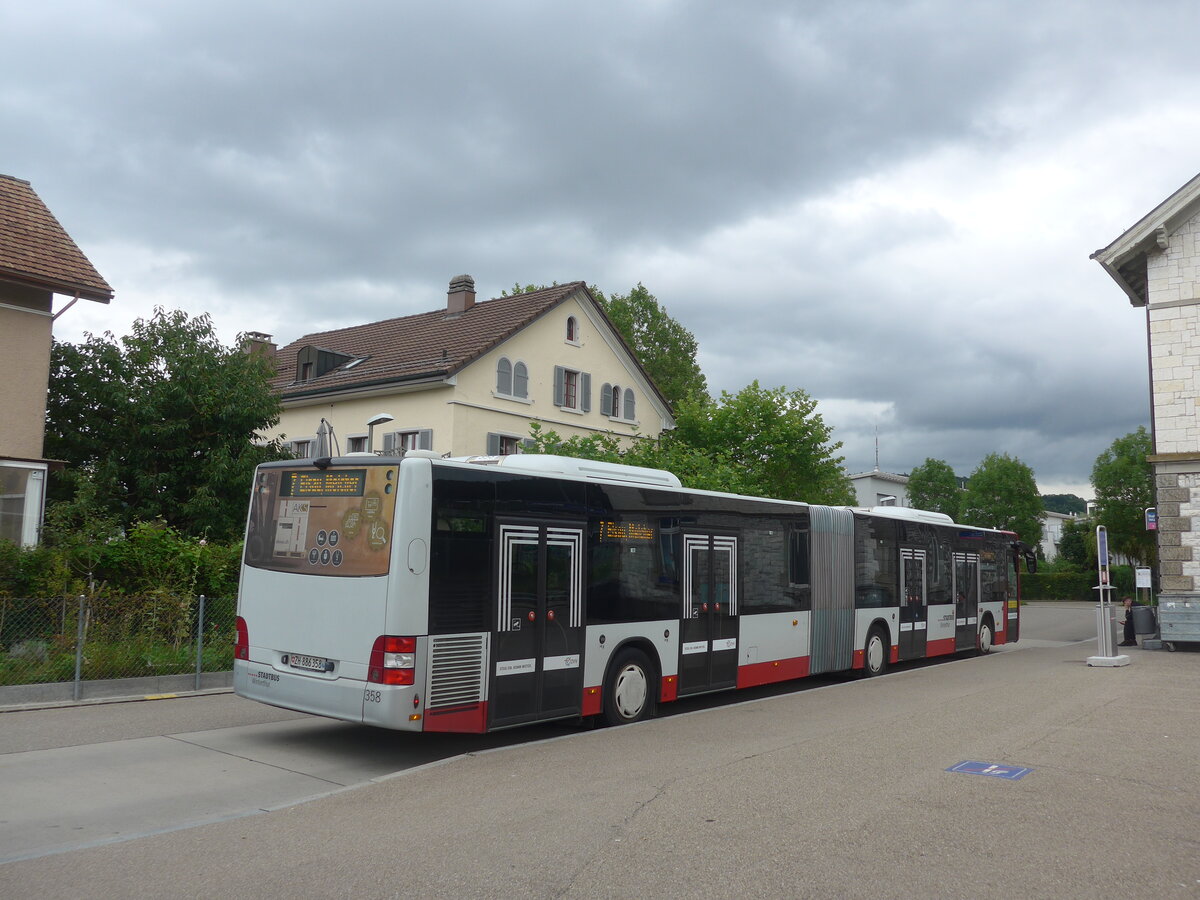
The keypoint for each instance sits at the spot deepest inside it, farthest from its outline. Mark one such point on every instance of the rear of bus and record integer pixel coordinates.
(327, 603)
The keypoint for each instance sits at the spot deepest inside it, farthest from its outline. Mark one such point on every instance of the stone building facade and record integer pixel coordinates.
(1157, 264)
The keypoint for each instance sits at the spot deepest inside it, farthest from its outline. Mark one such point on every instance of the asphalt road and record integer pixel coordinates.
(837, 789)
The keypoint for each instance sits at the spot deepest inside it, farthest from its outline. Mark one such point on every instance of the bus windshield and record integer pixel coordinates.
(333, 521)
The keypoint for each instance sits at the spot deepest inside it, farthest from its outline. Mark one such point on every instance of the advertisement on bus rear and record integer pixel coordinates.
(322, 521)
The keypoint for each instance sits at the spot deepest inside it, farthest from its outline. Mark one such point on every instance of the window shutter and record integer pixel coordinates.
(529, 445)
(425, 439)
(493, 444)
(520, 386)
(606, 400)
(559, 377)
(585, 392)
(504, 379)
(629, 405)
(389, 442)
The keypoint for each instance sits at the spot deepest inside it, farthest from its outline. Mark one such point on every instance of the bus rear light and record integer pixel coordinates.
(241, 644)
(393, 660)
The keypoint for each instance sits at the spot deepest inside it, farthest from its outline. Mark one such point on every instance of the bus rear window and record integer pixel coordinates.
(322, 521)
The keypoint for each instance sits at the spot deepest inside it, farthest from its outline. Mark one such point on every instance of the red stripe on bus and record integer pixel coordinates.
(771, 672)
(940, 647)
(593, 701)
(470, 719)
(669, 689)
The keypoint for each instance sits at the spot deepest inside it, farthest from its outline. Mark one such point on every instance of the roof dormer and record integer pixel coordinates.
(313, 362)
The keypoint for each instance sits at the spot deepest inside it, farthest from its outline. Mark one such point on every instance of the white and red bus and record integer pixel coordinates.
(432, 594)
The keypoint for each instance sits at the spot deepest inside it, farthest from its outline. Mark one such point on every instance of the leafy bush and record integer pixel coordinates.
(1068, 583)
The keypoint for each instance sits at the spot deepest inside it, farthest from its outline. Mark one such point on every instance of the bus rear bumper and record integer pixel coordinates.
(347, 699)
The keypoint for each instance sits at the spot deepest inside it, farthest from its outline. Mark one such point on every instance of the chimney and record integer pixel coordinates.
(257, 342)
(461, 295)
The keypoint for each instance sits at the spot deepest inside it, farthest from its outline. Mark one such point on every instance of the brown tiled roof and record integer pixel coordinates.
(35, 250)
(427, 345)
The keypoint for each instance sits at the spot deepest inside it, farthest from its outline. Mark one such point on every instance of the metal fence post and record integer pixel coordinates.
(199, 641)
(79, 648)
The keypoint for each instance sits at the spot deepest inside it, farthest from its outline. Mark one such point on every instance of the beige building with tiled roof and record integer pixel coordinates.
(38, 259)
(467, 379)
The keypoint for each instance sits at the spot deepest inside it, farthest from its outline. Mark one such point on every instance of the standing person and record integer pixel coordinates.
(1130, 634)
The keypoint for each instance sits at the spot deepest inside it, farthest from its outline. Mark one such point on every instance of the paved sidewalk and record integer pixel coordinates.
(836, 792)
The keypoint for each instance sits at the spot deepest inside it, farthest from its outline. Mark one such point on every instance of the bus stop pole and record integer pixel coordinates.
(1106, 637)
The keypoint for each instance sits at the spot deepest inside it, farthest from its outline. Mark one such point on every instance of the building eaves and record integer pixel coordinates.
(1125, 258)
(36, 251)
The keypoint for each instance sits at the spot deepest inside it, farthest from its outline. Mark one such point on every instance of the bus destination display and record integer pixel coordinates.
(332, 483)
(625, 531)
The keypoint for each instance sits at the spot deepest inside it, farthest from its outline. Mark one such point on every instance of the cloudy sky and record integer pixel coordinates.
(890, 205)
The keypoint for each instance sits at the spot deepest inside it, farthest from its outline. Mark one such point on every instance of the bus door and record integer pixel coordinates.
(709, 634)
(966, 600)
(914, 610)
(537, 670)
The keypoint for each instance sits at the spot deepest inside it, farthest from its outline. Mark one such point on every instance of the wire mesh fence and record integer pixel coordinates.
(91, 638)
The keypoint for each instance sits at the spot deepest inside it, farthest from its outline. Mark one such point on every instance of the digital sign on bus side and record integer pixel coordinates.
(332, 483)
(625, 531)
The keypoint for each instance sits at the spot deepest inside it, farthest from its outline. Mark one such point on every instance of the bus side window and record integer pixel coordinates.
(798, 559)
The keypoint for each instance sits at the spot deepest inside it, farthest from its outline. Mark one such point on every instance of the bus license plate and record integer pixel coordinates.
(312, 663)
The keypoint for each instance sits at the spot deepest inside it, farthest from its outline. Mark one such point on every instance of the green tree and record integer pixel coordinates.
(768, 443)
(1001, 493)
(1064, 503)
(666, 350)
(774, 436)
(1124, 483)
(933, 485)
(1076, 547)
(163, 424)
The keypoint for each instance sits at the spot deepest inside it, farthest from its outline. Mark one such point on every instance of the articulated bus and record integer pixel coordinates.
(466, 595)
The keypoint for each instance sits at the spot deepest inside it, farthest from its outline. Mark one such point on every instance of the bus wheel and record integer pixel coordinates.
(629, 690)
(875, 654)
(985, 638)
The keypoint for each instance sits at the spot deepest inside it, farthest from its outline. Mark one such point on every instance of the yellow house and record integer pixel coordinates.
(38, 259)
(467, 379)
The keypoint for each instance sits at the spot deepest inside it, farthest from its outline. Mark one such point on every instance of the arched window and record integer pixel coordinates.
(629, 405)
(520, 381)
(572, 330)
(616, 400)
(504, 377)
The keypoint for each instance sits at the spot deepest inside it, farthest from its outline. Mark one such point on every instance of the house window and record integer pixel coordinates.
(306, 371)
(616, 403)
(512, 380)
(572, 389)
(400, 441)
(572, 330)
(22, 488)
(302, 449)
(506, 444)
(356, 443)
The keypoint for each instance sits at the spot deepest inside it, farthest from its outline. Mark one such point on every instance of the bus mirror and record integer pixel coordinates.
(1031, 562)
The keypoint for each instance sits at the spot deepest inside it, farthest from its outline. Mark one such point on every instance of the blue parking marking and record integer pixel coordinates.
(994, 770)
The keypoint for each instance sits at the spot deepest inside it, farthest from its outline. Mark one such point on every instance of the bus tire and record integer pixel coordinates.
(875, 653)
(986, 638)
(629, 689)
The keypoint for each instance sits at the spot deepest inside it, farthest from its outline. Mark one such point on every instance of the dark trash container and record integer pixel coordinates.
(1143, 620)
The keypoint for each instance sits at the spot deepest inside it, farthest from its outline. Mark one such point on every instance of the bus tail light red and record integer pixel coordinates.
(241, 646)
(393, 660)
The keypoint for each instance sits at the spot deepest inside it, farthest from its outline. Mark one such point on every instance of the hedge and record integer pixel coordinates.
(1073, 585)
